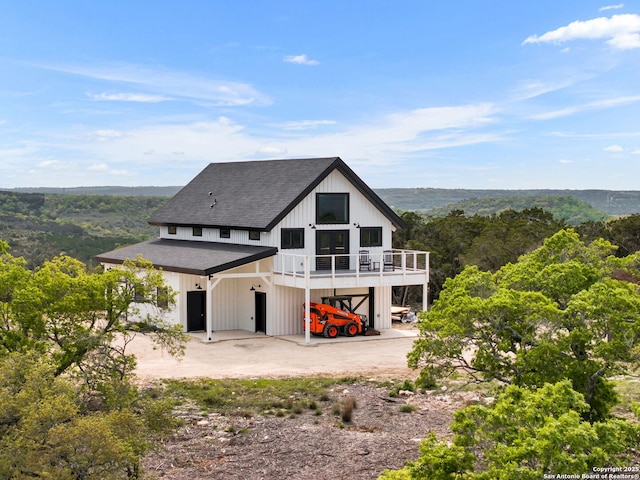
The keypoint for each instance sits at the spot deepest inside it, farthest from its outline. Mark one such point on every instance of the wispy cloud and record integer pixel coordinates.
(306, 124)
(595, 105)
(622, 32)
(536, 88)
(129, 97)
(611, 7)
(106, 135)
(300, 59)
(161, 83)
(106, 169)
(613, 149)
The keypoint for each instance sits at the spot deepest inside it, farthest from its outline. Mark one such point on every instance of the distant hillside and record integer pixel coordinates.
(611, 202)
(108, 190)
(569, 209)
(39, 226)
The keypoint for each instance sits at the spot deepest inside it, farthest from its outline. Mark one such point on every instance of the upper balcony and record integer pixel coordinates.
(362, 269)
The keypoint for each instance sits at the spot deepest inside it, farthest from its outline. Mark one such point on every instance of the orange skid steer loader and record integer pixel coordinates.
(331, 321)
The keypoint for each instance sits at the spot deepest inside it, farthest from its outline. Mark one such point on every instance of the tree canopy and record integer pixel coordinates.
(524, 434)
(68, 405)
(567, 310)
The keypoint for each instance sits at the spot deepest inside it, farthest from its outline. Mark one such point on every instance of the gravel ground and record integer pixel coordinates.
(309, 445)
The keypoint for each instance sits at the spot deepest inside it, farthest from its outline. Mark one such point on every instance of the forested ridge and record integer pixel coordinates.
(38, 226)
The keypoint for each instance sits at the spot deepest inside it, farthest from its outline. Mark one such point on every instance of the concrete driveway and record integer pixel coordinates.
(240, 354)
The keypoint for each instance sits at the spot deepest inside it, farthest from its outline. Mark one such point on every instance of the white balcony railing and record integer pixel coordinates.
(384, 263)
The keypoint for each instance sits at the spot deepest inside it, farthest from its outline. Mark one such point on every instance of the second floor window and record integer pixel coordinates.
(197, 231)
(332, 208)
(292, 238)
(172, 229)
(225, 233)
(254, 235)
(370, 236)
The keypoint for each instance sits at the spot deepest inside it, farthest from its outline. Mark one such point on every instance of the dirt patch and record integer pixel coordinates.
(315, 444)
(308, 446)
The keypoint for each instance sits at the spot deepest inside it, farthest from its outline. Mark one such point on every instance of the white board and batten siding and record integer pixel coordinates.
(210, 234)
(361, 212)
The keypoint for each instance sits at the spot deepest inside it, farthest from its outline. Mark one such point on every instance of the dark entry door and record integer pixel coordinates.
(196, 306)
(332, 242)
(261, 312)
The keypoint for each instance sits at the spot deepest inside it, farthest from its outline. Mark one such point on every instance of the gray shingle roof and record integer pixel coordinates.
(254, 195)
(196, 258)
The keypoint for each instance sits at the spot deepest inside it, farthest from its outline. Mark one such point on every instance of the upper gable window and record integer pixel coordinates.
(172, 229)
(332, 208)
(225, 233)
(197, 231)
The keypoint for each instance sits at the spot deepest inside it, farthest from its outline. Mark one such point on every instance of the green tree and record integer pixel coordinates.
(508, 235)
(46, 433)
(556, 313)
(524, 434)
(69, 406)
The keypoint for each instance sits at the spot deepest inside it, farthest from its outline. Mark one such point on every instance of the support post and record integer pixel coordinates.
(208, 303)
(307, 301)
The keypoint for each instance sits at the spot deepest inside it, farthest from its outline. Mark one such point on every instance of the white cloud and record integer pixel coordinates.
(614, 149)
(611, 7)
(54, 164)
(271, 152)
(535, 88)
(622, 32)
(107, 170)
(306, 124)
(565, 161)
(169, 84)
(595, 105)
(129, 97)
(636, 151)
(105, 135)
(300, 59)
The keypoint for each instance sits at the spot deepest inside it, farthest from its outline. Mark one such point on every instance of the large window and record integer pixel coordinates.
(370, 236)
(292, 238)
(332, 208)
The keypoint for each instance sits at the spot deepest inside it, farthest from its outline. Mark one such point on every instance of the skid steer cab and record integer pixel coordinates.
(330, 321)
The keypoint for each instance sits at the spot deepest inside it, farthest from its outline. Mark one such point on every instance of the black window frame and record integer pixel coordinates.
(254, 235)
(366, 232)
(196, 231)
(288, 238)
(172, 229)
(336, 220)
(225, 233)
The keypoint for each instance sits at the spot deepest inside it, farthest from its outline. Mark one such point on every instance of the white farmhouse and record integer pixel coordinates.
(247, 244)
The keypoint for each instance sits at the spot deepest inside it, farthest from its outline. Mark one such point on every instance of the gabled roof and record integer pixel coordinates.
(255, 195)
(195, 258)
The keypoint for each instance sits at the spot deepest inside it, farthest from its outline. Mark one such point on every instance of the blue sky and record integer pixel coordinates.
(460, 94)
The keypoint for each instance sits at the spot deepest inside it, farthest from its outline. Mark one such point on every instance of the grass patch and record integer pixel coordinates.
(230, 396)
(408, 408)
